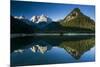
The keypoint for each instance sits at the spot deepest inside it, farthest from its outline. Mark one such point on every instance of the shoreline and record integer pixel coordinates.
(52, 34)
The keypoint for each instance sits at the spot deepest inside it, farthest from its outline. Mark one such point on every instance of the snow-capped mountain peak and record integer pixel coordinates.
(42, 18)
(34, 18)
(19, 17)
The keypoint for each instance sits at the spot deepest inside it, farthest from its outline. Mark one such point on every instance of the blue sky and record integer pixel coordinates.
(53, 10)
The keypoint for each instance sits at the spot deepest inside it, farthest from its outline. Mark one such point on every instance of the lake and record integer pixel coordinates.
(39, 50)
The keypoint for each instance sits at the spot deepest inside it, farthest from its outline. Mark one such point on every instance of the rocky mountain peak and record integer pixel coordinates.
(76, 10)
(74, 14)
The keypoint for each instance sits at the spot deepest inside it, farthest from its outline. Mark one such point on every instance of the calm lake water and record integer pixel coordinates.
(52, 50)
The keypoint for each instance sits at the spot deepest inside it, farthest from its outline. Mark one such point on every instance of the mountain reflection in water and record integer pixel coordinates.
(51, 50)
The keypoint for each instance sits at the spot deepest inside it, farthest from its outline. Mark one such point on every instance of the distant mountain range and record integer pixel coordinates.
(74, 22)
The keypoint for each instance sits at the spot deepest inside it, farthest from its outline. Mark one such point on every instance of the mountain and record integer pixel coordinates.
(19, 17)
(23, 19)
(22, 25)
(74, 22)
(77, 20)
(39, 19)
(54, 27)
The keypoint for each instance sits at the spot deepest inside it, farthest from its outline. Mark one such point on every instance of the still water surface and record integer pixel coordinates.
(52, 50)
